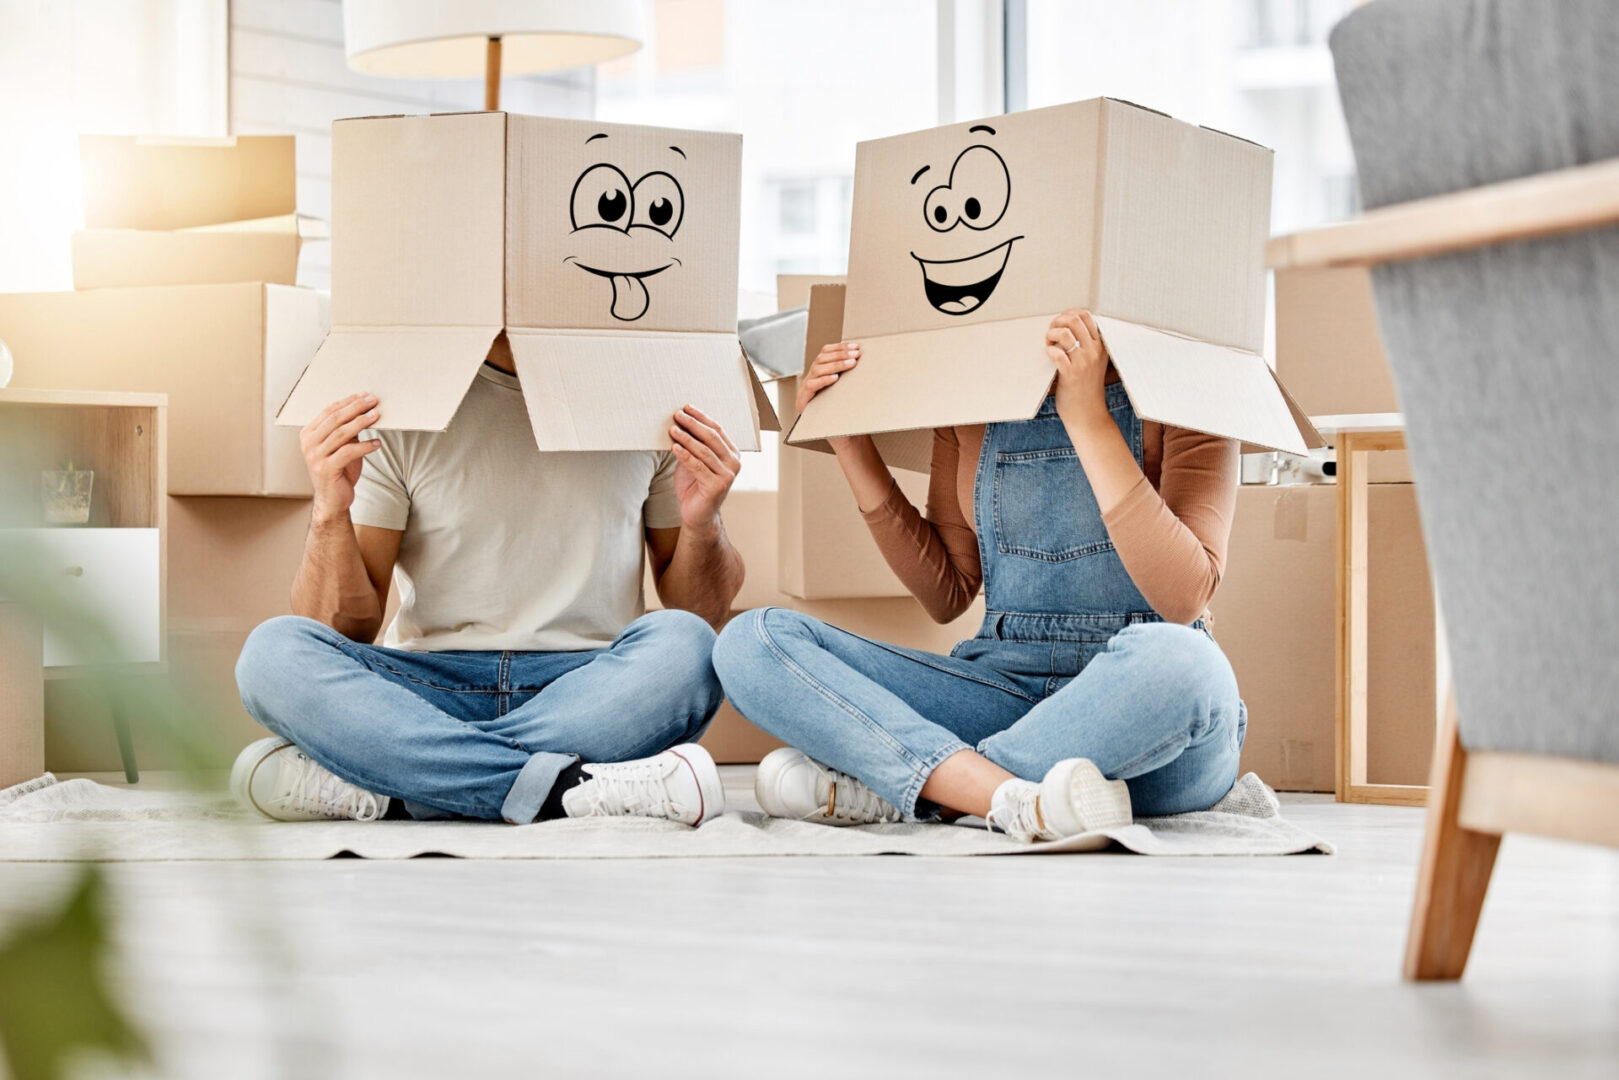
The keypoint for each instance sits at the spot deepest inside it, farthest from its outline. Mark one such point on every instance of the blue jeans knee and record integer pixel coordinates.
(684, 642)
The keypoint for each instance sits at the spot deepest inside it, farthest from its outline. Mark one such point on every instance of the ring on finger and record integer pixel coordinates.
(1071, 348)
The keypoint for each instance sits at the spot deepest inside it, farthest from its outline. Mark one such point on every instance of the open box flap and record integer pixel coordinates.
(911, 450)
(762, 408)
(1193, 384)
(419, 373)
(619, 390)
(935, 378)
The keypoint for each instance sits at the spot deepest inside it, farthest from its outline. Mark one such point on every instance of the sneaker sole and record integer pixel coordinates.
(710, 791)
(241, 772)
(1100, 802)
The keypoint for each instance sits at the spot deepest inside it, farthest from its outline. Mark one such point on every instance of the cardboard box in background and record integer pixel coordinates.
(1330, 353)
(232, 560)
(1275, 616)
(226, 355)
(1327, 343)
(186, 211)
(824, 549)
(601, 257)
(966, 239)
(22, 696)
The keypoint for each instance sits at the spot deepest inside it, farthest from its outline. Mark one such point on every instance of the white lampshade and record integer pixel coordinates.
(440, 39)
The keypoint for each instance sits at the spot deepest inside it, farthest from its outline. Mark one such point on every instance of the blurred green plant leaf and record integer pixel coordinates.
(53, 993)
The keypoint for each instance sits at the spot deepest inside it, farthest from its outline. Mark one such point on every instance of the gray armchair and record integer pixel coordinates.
(1486, 134)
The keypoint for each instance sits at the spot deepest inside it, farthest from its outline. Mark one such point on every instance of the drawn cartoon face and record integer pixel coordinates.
(974, 196)
(648, 213)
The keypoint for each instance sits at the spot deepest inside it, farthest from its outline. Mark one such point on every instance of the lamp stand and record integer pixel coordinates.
(491, 75)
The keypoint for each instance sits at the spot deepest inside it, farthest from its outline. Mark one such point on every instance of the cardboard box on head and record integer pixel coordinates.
(967, 239)
(602, 258)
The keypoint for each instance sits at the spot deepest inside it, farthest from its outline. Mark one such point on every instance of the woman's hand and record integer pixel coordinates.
(1076, 350)
(833, 360)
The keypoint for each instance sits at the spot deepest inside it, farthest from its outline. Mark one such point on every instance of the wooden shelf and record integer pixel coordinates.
(119, 437)
(1566, 200)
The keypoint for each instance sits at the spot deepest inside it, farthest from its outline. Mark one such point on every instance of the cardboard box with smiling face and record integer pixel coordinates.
(967, 239)
(602, 256)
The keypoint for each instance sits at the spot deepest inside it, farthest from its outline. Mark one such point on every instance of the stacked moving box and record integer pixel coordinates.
(184, 285)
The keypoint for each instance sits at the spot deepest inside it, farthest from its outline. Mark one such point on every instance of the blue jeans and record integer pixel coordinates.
(478, 734)
(1154, 704)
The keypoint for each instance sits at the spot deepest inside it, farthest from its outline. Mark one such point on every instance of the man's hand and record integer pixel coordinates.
(706, 467)
(333, 452)
(1076, 350)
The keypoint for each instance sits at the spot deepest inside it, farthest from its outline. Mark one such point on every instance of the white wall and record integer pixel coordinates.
(288, 74)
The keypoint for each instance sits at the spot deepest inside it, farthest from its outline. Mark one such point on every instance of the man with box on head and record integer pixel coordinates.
(551, 285)
(1069, 303)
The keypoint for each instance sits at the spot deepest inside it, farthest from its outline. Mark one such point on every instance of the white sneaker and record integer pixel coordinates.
(791, 784)
(681, 784)
(1074, 798)
(280, 781)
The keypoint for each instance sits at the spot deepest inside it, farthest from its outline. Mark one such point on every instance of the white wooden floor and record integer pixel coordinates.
(1100, 966)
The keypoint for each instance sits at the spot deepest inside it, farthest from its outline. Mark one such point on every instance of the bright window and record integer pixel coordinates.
(802, 83)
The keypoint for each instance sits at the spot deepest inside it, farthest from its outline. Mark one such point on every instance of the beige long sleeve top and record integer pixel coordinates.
(1170, 529)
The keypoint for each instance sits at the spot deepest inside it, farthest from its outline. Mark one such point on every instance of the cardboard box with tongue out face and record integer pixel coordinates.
(965, 241)
(601, 258)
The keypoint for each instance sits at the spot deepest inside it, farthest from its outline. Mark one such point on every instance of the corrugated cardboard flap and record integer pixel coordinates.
(1193, 384)
(619, 390)
(419, 373)
(935, 378)
(911, 450)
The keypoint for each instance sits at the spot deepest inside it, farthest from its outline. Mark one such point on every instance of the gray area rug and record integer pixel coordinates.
(80, 820)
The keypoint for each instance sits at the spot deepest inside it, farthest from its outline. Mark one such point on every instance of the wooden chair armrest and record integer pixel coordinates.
(1566, 200)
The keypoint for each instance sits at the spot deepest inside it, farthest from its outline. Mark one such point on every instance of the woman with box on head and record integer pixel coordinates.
(1097, 537)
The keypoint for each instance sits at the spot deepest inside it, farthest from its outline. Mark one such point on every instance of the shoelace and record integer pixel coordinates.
(314, 790)
(847, 799)
(637, 790)
(1023, 822)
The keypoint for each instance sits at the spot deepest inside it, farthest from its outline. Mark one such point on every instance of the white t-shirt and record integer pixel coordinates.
(506, 547)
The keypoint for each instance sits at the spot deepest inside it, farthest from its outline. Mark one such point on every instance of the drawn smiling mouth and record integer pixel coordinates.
(959, 286)
(630, 298)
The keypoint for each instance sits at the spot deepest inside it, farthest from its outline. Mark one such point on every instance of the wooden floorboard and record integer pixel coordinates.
(1093, 965)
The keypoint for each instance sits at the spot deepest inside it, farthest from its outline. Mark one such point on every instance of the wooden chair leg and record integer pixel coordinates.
(1456, 867)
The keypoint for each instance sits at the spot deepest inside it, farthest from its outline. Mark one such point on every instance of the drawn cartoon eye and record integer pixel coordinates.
(602, 198)
(975, 195)
(980, 178)
(659, 203)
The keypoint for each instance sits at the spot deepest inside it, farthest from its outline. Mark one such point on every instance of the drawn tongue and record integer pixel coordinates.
(629, 297)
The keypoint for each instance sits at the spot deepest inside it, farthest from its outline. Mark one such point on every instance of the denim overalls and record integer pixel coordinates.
(1071, 660)
(1055, 590)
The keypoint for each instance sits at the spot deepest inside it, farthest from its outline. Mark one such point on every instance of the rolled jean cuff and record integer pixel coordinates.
(913, 791)
(532, 785)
